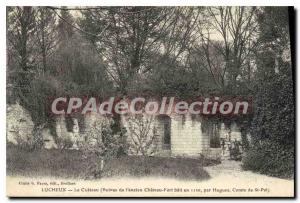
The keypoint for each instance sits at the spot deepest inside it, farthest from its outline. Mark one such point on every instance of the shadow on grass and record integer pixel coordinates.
(71, 164)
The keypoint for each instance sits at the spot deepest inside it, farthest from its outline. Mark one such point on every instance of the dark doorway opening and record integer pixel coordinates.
(166, 137)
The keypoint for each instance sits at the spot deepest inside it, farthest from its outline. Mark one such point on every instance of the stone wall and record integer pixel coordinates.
(187, 138)
(19, 129)
(234, 132)
(19, 125)
(48, 139)
(65, 137)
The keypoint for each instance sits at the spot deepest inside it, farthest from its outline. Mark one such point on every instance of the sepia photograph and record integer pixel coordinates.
(150, 101)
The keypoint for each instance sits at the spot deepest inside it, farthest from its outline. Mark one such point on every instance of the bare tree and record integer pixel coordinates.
(21, 44)
(142, 134)
(133, 37)
(20, 34)
(227, 41)
(46, 34)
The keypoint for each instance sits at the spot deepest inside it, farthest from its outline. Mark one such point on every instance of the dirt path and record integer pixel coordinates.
(231, 172)
(232, 169)
(227, 168)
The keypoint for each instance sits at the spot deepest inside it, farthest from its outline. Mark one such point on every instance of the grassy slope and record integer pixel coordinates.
(70, 164)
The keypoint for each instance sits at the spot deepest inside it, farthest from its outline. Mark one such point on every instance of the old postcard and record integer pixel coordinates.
(136, 101)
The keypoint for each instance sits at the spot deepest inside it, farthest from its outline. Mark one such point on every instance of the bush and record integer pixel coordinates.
(34, 142)
(269, 158)
(273, 127)
(64, 142)
(103, 142)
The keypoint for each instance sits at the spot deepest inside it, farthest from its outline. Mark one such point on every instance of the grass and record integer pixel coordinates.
(71, 164)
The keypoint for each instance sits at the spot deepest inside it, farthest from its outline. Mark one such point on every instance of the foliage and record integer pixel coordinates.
(273, 130)
(270, 158)
(64, 142)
